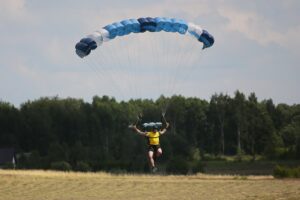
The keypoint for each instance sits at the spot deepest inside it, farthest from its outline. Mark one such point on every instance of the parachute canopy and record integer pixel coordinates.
(141, 25)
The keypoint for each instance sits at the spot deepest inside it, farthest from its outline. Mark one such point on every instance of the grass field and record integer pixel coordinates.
(39, 185)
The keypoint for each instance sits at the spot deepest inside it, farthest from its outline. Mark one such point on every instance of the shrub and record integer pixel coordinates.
(8, 165)
(211, 157)
(83, 167)
(280, 172)
(61, 166)
(195, 154)
(286, 172)
(177, 165)
(197, 167)
(296, 172)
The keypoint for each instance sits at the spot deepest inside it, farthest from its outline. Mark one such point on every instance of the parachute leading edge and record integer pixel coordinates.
(125, 27)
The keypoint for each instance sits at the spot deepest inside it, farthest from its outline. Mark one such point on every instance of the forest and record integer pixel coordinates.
(54, 132)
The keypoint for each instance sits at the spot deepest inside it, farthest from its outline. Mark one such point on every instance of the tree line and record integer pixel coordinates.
(95, 136)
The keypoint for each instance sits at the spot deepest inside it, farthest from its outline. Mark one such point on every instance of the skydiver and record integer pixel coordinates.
(154, 148)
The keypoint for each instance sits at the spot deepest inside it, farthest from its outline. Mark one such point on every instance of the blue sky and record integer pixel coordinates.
(256, 49)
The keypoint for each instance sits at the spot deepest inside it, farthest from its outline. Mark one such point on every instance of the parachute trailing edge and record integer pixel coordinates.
(140, 25)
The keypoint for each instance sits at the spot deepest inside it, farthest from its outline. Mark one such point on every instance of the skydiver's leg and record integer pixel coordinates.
(151, 160)
(158, 152)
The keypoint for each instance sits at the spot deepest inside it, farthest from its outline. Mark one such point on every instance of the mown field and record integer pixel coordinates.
(49, 185)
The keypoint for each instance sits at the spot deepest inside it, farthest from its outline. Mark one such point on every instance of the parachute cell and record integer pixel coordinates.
(97, 37)
(147, 24)
(84, 46)
(207, 39)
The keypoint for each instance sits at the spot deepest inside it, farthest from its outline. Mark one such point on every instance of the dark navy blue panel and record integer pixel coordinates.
(147, 24)
(82, 46)
(90, 42)
(207, 39)
(142, 22)
(151, 24)
(80, 53)
(82, 49)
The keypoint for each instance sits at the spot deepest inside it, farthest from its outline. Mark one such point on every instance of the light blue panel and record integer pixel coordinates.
(112, 31)
(168, 25)
(136, 27)
(120, 28)
(175, 24)
(128, 27)
(159, 23)
(183, 26)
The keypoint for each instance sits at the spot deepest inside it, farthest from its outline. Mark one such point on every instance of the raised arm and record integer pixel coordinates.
(138, 131)
(165, 129)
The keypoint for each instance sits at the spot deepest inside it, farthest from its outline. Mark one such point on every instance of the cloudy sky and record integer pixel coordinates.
(256, 50)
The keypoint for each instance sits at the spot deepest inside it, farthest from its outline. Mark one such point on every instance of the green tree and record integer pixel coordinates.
(10, 125)
(260, 126)
(239, 107)
(218, 110)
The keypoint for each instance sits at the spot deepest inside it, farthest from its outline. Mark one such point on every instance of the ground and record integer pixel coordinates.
(49, 185)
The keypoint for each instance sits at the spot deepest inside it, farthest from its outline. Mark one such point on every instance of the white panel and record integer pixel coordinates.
(97, 37)
(105, 35)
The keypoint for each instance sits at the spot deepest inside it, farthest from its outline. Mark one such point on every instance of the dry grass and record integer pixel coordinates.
(49, 185)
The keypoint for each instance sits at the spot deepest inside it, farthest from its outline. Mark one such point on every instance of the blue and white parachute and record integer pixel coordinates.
(141, 25)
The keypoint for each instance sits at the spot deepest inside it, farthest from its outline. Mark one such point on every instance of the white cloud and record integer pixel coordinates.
(250, 24)
(259, 28)
(12, 6)
(13, 10)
